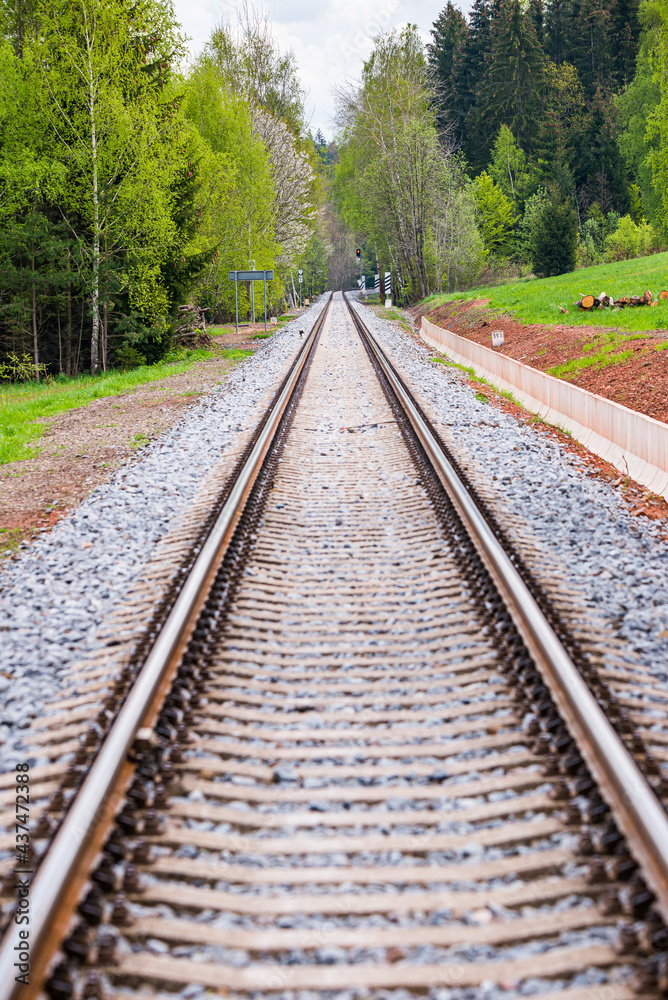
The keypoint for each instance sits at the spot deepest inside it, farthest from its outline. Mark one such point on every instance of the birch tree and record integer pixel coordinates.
(103, 67)
(394, 166)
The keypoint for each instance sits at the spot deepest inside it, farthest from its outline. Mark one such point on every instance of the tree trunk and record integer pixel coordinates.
(95, 283)
(105, 313)
(60, 344)
(68, 331)
(34, 322)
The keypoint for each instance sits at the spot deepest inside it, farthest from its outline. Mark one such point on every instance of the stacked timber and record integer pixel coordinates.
(191, 331)
(604, 301)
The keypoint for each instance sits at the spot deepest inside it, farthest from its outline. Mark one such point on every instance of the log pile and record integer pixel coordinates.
(191, 331)
(603, 301)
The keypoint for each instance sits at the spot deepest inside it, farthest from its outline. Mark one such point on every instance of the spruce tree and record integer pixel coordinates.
(511, 90)
(554, 239)
(557, 25)
(447, 32)
(589, 43)
(537, 16)
(468, 72)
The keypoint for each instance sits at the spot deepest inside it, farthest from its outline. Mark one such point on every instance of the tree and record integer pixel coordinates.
(512, 88)
(636, 107)
(391, 160)
(655, 18)
(97, 64)
(448, 32)
(236, 195)
(509, 169)
(554, 238)
(527, 226)
(250, 62)
(468, 71)
(494, 216)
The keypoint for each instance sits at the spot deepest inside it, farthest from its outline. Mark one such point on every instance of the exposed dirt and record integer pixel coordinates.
(639, 501)
(82, 448)
(641, 382)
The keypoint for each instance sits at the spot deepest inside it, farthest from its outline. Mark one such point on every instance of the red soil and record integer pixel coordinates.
(641, 382)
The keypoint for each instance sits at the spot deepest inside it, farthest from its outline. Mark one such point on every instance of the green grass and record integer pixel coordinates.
(607, 353)
(537, 300)
(21, 405)
(261, 336)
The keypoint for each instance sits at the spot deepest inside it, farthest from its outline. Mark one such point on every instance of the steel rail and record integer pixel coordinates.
(91, 802)
(638, 813)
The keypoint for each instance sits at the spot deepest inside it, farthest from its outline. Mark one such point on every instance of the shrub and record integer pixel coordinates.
(525, 230)
(20, 369)
(630, 240)
(555, 238)
(128, 357)
(494, 216)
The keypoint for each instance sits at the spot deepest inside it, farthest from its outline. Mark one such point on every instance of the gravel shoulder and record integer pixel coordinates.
(584, 519)
(59, 590)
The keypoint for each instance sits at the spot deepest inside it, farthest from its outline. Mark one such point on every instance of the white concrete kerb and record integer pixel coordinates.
(635, 444)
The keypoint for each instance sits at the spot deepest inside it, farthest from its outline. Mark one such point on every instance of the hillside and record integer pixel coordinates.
(620, 354)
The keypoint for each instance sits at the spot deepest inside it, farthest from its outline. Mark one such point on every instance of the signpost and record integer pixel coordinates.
(301, 279)
(237, 276)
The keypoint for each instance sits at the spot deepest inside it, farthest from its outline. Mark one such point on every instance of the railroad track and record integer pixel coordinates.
(354, 759)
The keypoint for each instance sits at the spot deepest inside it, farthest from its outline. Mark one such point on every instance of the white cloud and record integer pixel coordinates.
(330, 40)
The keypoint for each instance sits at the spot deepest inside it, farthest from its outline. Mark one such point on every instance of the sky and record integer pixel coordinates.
(330, 39)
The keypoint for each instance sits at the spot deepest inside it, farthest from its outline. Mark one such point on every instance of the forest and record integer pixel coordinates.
(524, 139)
(129, 186)
(527, 138)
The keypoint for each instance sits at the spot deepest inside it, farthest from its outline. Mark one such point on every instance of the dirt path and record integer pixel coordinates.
(634, 373)
(82, 448)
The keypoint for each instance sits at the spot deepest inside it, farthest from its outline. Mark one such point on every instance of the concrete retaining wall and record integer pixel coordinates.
(635, 444)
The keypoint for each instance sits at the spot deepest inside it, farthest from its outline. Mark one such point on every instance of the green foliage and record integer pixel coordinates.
(19, 369)
(126, 190)
(635, 106)
(554, 239)
(630, 240)
(494, 216)
(394, 181)
(527, 226)
(128, 357)
(509, 169)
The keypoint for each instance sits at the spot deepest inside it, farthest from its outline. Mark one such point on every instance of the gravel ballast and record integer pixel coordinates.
(60, 589)
(618, 561)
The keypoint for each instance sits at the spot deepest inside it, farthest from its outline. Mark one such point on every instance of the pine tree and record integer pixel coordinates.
(589, 42)
(626, 31)
(537, 16)
(468, 72)
(554, 239)
(448, 32)
(557, 23)
(513, 84)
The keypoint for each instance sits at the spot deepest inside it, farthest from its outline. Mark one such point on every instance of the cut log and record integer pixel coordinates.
(586, 302)
(647, 298)
(634, 300)
(663, 294)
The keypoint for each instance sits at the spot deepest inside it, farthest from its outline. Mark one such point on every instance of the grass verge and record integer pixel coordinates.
(22, 405)
(538, 300)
